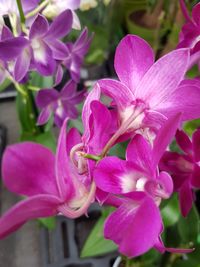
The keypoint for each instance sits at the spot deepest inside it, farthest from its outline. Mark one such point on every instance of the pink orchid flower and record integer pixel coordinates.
(136, 225)
(184, 168)
(148, 93)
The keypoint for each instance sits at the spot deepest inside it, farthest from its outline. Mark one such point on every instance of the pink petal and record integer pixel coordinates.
(186, 198)
(184, 142)
(164, 138)
(44, 116)
(162, 79)
(86, 112)
(185, 100)
(139, 151)
(133, 58)
(132, 228)
(73, 138)
(196, 145)
(28, 169)
(121, 94)
(196, 14)
(34, 207)
(116, 176)
(195, 181)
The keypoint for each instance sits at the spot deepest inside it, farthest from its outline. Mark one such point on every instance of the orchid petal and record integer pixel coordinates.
(162, 79)
(60, 26)
(44, 116)
(73, 138)
(185, 100)
(46, 97)
(184, 142)
(39, 27)
(196, 145)
(164, 137)
(139, 151)
(133, 58)
(196, 13)
(121, 94)
(186, 198)
(132, 228)
(195, 181)
(22, 65)
(34, 207)
(28, 169)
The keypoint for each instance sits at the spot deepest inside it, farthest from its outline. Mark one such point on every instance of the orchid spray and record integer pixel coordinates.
(142, 110)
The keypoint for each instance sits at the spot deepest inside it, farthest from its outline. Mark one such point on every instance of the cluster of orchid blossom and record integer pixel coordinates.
(38, 45)
(144, 107)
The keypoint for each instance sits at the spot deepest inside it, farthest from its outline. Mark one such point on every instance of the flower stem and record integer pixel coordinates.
(21, 12)
(37, 9)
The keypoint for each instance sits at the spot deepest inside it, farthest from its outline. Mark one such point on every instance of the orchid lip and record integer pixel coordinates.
(77, 159)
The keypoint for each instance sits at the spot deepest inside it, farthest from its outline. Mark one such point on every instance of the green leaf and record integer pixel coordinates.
(4, 85)
(47, 139)
(41, 81)
(49, 223)
(170, 213)
(189, 227)
(191, 126)
(96, 245)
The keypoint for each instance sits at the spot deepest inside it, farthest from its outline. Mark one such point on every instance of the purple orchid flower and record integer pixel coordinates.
(44, 45)
(55, 7)
(184, 168)
(75, 55)
(148, 93)
(190, 33)
(50, 182)
(136, 225)
(10, 50)
(62, 103)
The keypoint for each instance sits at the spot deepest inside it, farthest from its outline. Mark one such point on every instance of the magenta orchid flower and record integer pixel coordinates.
(62, 104)
(136, 225)
(190, 33)
(148, 93)
(184, 168)
(51, 183)
(44, 45)
(75, 54)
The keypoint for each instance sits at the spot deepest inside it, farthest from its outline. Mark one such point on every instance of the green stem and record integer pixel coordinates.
(21, 12)
(37, 9)
(90, 156)
(20, 88)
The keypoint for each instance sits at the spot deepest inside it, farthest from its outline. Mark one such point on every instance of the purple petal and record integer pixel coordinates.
(46, 97)
(162, 79)
(59, 49)
(73, 138)
(43, 59)
(184, 99)
(59, 75)
(11, 48)
(34, 207)
(139, 151)
(184, 142)
(184, 10)
(195, 181)
(132, 228)
(6, 33)
(164, 138)
(133, 58)
(196, 14)
(186, 198)
(60, 26)
(39, 27)
(22, 65)
(196, 145)
(121, 94)
(28, 169)
(44, 116)
(73, 4)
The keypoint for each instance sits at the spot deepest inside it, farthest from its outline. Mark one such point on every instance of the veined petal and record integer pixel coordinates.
(28, 169)
(116, 176)
(132, 228)
(60, 26)
(133, 58)
(39, 27)
(184, 99)
(196, 145)
(164, 138)
(34, 207)
(139, 151)
(162, 79)
(120, 93)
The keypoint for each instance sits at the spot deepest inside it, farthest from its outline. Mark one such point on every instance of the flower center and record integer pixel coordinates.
(77, 159)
